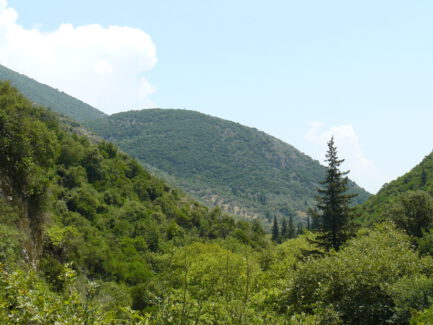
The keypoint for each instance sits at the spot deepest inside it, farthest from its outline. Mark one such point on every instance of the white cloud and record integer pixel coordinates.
(102, 66)
(362, 170)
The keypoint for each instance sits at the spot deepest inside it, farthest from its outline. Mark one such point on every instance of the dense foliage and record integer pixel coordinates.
(87, 236)
(419, 178)
(92, 206)
(245, 171)
(44, 95)
(375, 279)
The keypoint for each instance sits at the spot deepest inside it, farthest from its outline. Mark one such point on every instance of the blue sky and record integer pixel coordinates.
(298, 70)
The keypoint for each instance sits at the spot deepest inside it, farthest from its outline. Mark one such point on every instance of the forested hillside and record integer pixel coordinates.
(49, 97)
(87, 236)
(245, 171)
(419, 178)
(67, 203)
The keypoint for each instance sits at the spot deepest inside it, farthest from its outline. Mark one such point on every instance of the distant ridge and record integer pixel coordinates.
(221, 163)
(245, 171)
(49, 97)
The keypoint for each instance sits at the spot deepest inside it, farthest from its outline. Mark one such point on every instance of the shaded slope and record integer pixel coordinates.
(246, 171)
(49, 97)
(419, 178)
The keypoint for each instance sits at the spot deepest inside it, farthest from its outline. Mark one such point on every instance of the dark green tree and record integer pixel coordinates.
(334, 210)
(291, 231)
(284, 230)
(275, 231)
(413, 212)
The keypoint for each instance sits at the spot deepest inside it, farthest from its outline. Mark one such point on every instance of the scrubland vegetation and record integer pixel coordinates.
(88, 236)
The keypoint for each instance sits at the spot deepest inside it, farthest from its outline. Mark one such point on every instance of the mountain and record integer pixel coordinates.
(245, 171)
(88, 236)
(77, 215)
(49, 97)
(419, 178)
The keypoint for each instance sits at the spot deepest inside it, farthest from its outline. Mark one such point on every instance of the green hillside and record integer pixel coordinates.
(87, 236)
(419, 178)
(245, 171)
(88, 214)
(49, 97)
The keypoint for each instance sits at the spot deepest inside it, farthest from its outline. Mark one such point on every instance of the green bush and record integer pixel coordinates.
(360, 282)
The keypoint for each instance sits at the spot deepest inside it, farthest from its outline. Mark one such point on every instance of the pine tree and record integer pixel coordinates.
(284, 230)
(275, 231)
(333, 206)
(291, 231)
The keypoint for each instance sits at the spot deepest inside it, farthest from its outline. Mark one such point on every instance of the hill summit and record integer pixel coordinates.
(247, 172)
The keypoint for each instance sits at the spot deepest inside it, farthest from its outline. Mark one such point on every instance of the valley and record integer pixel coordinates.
(197, 220)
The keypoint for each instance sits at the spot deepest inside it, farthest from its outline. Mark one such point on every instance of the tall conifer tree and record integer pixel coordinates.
(275, 231)
(333, 206)
(291, 228)
(284, 230)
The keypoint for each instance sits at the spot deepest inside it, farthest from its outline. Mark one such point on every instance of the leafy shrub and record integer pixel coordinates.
(357, 281)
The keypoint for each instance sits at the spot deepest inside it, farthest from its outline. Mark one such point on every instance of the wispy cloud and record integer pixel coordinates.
(102, 66)
(362, 170)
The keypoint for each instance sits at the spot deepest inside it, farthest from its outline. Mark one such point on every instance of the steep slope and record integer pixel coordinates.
(66, 200)
(86, 234)
(246, 171)
(49, 97)
(419, 178)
